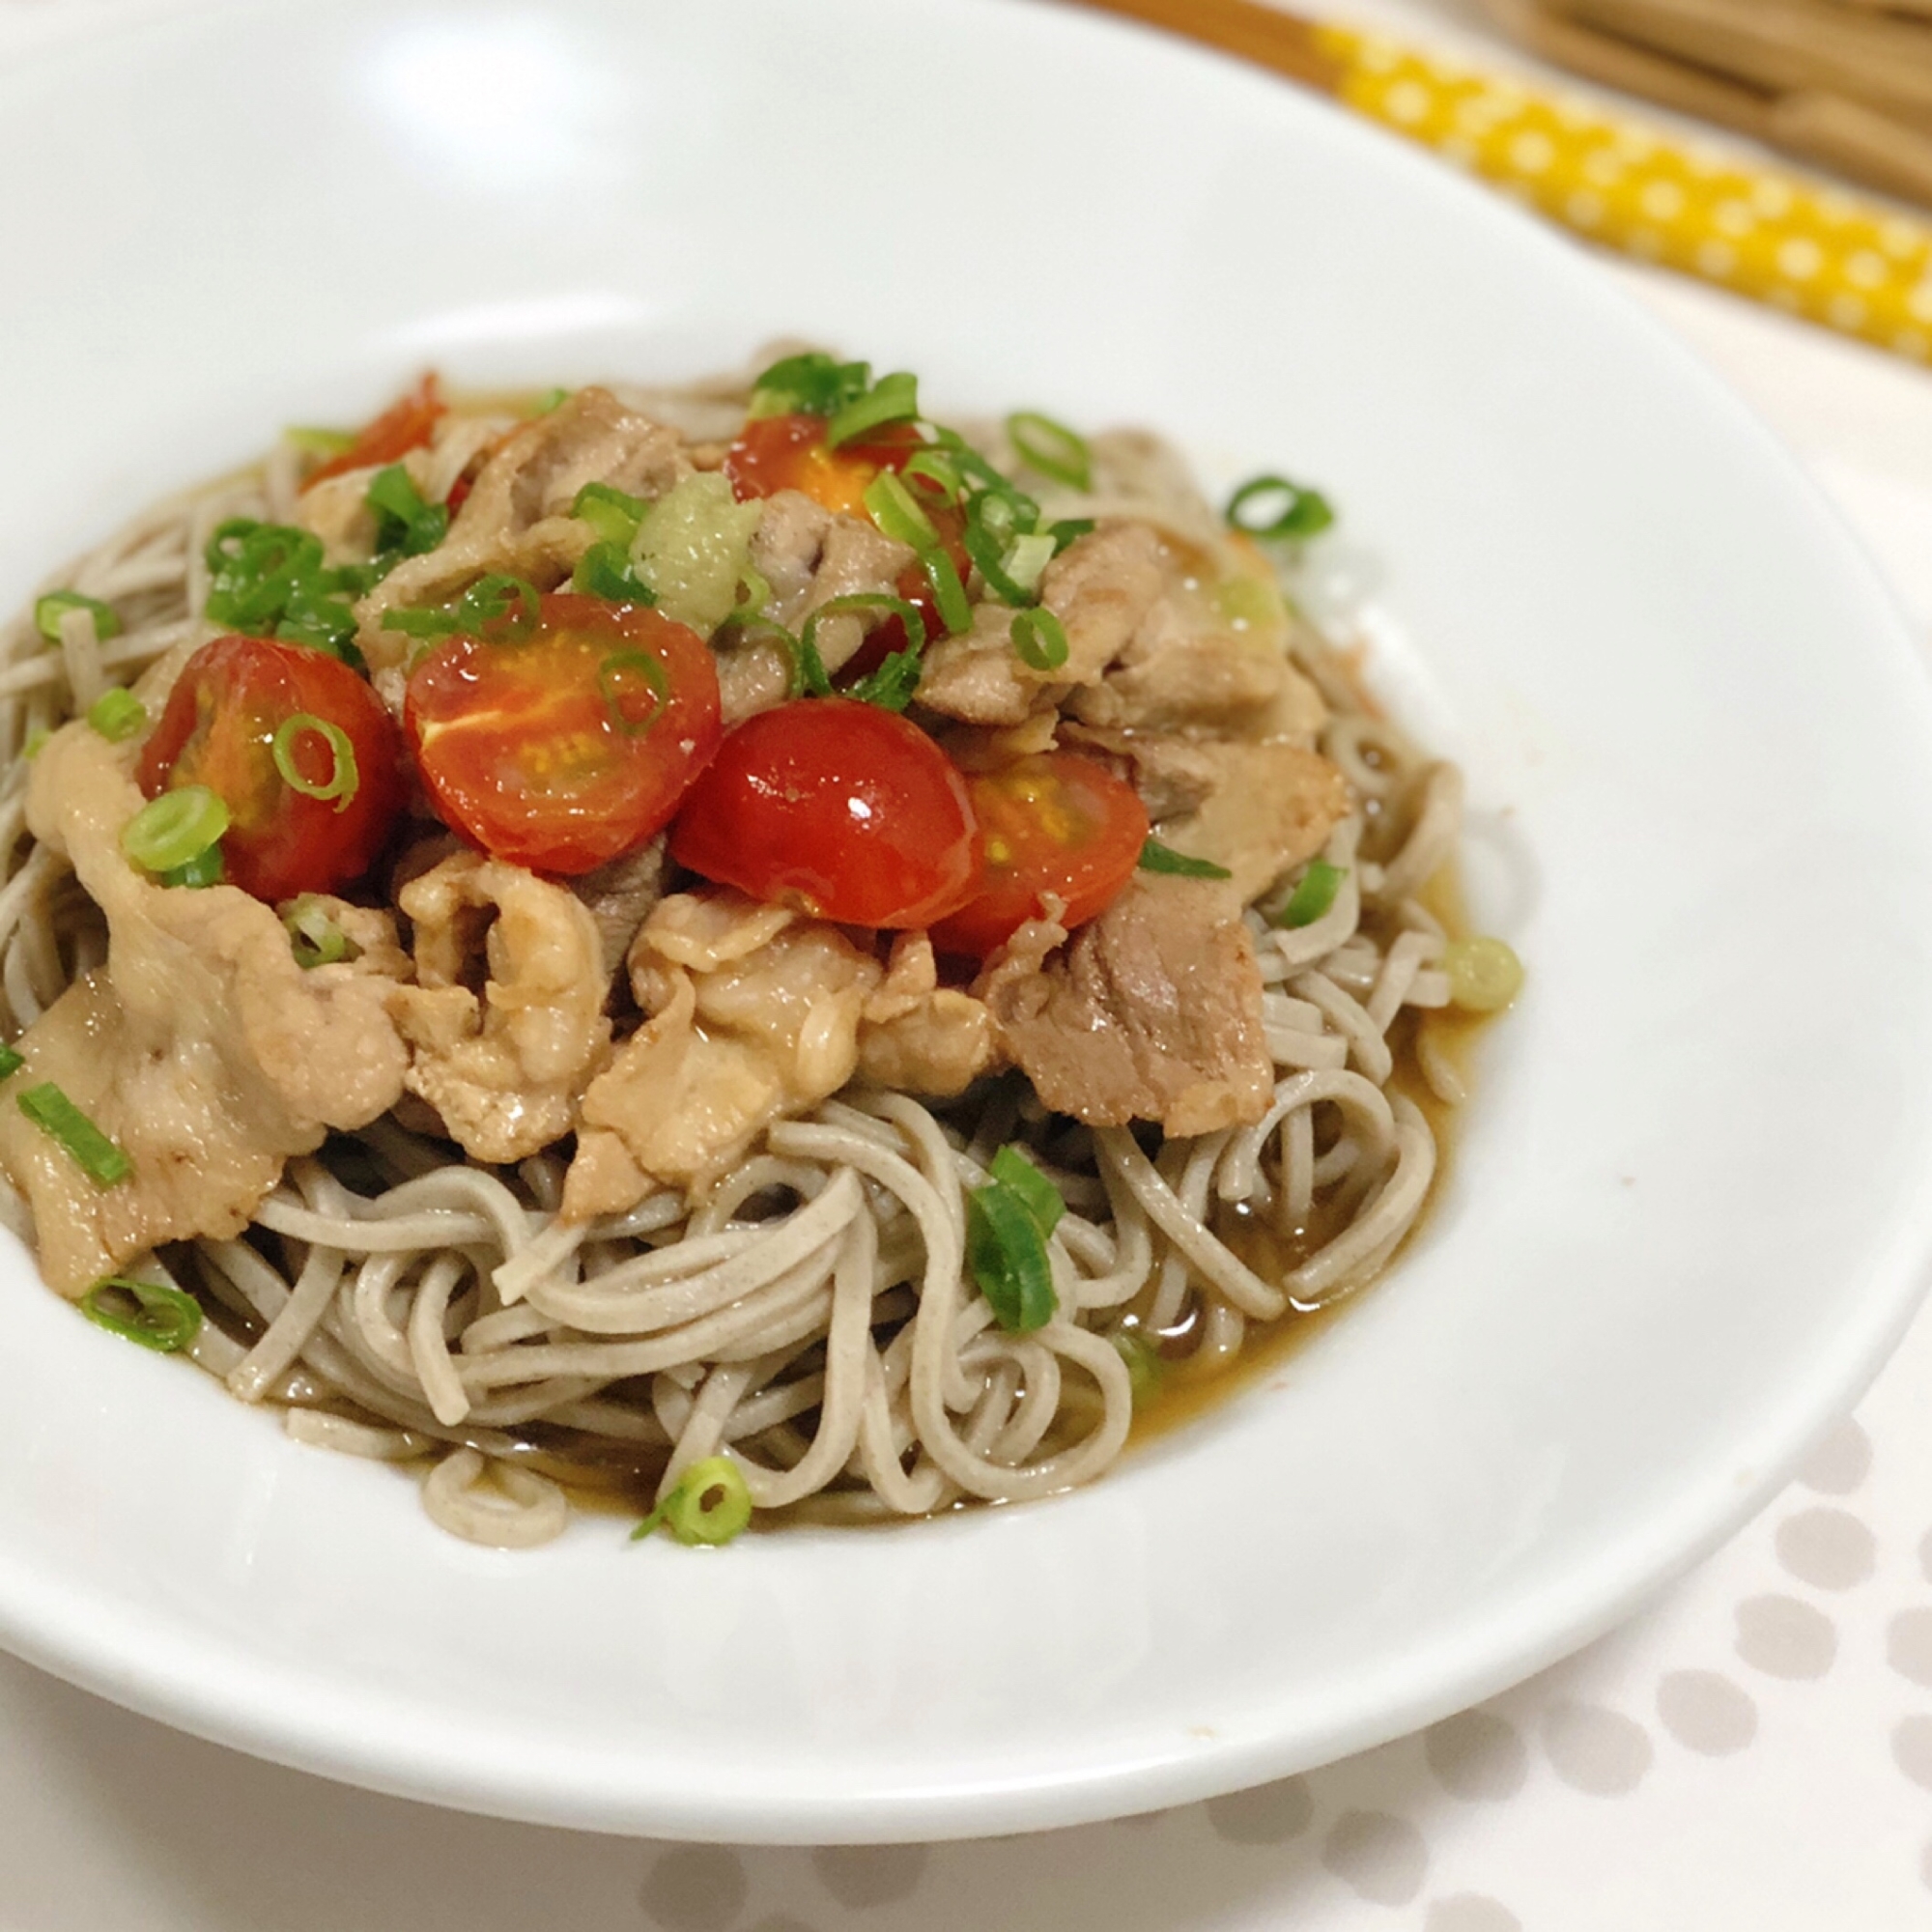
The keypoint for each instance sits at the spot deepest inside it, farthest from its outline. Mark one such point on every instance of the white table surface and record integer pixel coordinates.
(1754, 1750)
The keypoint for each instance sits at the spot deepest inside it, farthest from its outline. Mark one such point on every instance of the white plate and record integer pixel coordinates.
(1691, 1212)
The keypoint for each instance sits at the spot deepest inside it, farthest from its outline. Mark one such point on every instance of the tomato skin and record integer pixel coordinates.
(519, 749)
(1054, 823)
(402, 427)
(846, 812)
(218, 729)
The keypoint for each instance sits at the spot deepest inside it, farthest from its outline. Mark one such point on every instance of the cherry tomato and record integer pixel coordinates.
(788, 452)
(402, 427)
(849, 813)
(1056, 823)
(573, 746)
(231, 699)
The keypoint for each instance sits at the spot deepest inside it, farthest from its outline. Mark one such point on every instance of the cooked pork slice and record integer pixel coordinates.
(1101, 588)
(919, 1037)
(1154, 1012)
(517, 517)
(202, 1048)
(1256, 809)
(503, 1068)
(620, 895)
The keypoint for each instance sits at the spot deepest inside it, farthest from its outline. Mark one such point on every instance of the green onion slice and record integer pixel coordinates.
(624, 678)
(501, 608)
(859, 600)
(314, 937)
(343, 781)
(933, 473)
(1271, 506)
(549, 401)
(171, 829)
(610, 512)
(312, 441)
(204, 868)
(893, 508)
(810, 383)
(711, 1505)
(35, 742)
(1147, 1368)
(404, 522)
(1485, 974)
(1038, 640)
(1063, 531)
(1012, 1169)
(893, 398)
(604, 570)
(1314, 894)
(1051, 448)
(955, 607)
(75, 1135)
(1025, 563)
(162, 1318)
(422, 623)
(10, 1062)
(1006, 1249)
(48, 611)
(117, 714)
(810, 667)
(1158, 858)
(892, 685)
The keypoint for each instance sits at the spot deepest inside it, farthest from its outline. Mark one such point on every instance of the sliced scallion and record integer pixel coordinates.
(949, 593)
(893, 398)
(810, 383)
(10, 1062)
(405, 523)
(711, 1505)
(204, 868)
(1040, 639)
(892, 685)
(314, 937)
(1158, 858)
(1485, 974)
(612, 514)
(625, 677)
(48, 611)
(1025, 563)
(1146, 1367)
(605, 571)
(551, 400)
(1051, 448)
(1314, 894)
(35, 742)
(312, 441)
(75, 1135)
(1007, 1222)
(149, 1311)
(343, 781)
(171, 829)
(892, 507)
(891, 692)
(1271, 506)
(117, 714)
(933, 473)
(501, 608)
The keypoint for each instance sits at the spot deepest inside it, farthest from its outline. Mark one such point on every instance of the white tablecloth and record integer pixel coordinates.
(1756, 1750)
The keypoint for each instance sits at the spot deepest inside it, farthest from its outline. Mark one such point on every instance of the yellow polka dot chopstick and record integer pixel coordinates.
(1782, 239)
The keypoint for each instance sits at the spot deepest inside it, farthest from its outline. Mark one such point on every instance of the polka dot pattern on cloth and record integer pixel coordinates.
(1779, 238)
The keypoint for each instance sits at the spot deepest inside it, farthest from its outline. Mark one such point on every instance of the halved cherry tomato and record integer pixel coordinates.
(1055, 823)
(402, 427)
(846, 812)
(219, 730)
(564, 750)
(788, 452)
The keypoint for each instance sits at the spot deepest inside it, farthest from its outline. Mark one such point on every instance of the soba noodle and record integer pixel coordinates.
(812, 1317)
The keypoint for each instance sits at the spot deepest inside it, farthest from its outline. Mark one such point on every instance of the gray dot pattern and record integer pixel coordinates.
(1706, 1712)
(1841, 1463)
(1912, 1749)
(1829, 1549)
(1908, 1645)
(1476, 1757)
(1595, 1750)
(1270, 1814)
(695, 1889)
(1470, 1912)
(860, 1875)
(1785, 1637)
(1380, 1857)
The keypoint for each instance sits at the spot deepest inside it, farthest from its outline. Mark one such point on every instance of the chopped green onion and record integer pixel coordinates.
(1485, 974)
(117, 714)
(933, 473)
(810, 667)
(611, 676)
(314, 937)
(75, 1135)
(754, 592)
(1038, 640)
(1051, 448)
(1314, 894)
(605, 571)
(314, 441)
(1147, 1368)
(204, 868)
(10, 1062)
(995, 525)
(955, 607)
(270, 580)
(343, 781)
(35, 742)
(501, 608)
(612, 515)
(1025, 564)
(1285, 509)
(422, 623)
(1158, 858)
(811, 384)
(711, 1505)
(894, 510)
(171, 829)
(1066, 530)
(893, 398)
(405, 524)
(1007, 1222)
(162, 1319)
(48, 611)
(892, 685)
(551, 400)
